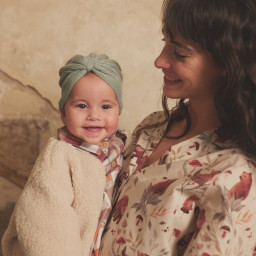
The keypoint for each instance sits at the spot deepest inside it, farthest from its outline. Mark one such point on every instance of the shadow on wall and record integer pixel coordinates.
(27, 120)
(9, 194)
(20, 146)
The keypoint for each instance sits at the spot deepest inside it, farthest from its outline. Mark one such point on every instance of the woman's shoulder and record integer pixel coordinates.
(151, 121)
(152, 118)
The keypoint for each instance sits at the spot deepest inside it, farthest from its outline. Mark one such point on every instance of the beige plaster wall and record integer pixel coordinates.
(38, 37)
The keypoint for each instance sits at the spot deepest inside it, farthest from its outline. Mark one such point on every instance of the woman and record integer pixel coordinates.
(188, 185)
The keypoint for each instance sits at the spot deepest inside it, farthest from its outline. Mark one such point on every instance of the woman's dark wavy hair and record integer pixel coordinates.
(227, 29)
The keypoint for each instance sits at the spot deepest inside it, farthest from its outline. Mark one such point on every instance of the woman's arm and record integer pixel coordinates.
(226, 218)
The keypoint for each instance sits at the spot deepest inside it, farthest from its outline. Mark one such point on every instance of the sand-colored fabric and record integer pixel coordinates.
(58, 210)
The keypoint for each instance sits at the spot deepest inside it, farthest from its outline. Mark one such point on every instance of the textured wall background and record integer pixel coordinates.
(37, 37)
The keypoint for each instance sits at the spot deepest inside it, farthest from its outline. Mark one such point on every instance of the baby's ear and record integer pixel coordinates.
(63, 116)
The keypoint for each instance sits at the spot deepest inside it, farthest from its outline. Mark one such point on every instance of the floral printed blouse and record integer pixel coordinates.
(199, 199)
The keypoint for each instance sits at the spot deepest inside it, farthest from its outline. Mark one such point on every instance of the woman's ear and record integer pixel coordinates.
(63, 116)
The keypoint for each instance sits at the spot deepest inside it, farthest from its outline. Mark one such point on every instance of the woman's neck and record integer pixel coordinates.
(203, 116)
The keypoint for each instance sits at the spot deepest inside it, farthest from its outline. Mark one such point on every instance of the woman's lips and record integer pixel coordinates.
(170, 81)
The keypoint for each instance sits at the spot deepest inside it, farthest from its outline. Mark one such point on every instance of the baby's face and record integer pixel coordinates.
(91, 112)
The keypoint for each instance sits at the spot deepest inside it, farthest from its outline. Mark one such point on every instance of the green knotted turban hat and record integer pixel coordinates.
(100, 65)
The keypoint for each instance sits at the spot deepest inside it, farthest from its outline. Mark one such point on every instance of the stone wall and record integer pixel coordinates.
(27, 120)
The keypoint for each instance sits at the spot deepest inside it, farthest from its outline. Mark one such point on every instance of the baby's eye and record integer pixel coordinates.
(82, 106)
(106, 106)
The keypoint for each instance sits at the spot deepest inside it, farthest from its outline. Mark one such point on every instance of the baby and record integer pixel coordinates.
(68, 196)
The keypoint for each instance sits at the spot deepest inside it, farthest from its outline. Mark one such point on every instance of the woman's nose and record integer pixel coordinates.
(163, 61)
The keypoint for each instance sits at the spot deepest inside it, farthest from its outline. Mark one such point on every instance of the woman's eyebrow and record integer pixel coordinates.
(177, 43)
(181, 45)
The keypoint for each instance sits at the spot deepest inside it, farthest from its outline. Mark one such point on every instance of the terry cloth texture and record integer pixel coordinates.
(100, 65)
(109, 152)
(59, 209)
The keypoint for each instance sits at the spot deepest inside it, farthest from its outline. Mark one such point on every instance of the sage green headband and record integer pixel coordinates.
(100, 65)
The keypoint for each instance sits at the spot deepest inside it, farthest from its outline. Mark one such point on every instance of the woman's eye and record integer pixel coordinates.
(180, 56)
(106, 107)
(82, 106)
